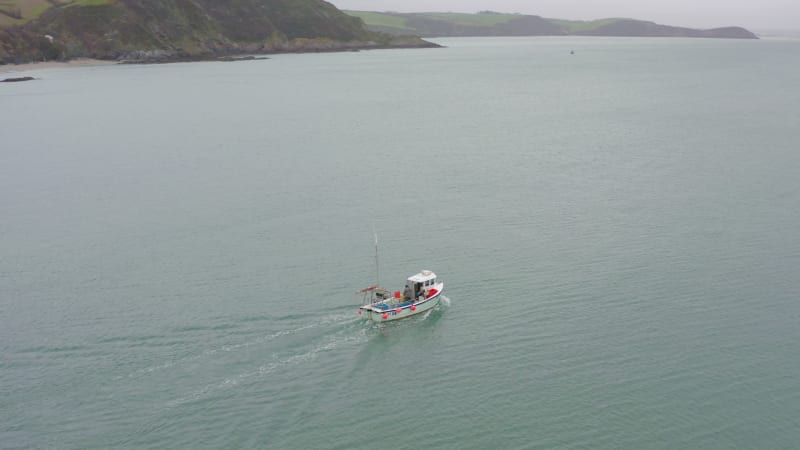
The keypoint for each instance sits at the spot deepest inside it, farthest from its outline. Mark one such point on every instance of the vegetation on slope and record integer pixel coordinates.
(630, 27)
(384, 20)
(579, 26)
(15, 12)
(185, 29)
(490, 23)
(483, 19)
(486, 23)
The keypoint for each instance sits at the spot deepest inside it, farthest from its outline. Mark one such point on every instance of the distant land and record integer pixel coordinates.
(489, 23)
(179, 30)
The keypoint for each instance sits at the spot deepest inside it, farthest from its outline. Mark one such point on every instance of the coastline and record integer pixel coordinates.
(157, 57)
(78, 62)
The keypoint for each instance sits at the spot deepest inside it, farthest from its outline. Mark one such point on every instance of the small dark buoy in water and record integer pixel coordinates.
(572, 52)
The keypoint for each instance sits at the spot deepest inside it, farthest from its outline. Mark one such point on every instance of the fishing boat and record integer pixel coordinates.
(422, 293)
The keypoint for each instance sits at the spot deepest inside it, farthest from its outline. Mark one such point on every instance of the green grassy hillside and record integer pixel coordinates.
(15, 12)
(484, 19)
(489, 23)
(382, 20)
(486, 23)
(578, 26)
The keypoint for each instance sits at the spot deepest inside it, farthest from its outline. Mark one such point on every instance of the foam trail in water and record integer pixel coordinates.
(327, 320)
(269, 368)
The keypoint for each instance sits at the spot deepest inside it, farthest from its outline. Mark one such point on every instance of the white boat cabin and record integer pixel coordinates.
(418, 285)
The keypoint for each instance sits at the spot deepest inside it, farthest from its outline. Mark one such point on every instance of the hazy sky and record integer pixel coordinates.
(754, 14)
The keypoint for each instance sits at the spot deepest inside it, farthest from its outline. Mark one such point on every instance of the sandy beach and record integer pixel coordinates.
(15, 68)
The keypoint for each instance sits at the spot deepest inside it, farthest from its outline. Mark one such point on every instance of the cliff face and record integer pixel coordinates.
(171, 29)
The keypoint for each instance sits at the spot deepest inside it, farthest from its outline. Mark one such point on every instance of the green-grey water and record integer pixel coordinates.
(617, 230)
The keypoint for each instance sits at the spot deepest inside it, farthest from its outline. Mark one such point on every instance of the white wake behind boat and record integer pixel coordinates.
(422, 292)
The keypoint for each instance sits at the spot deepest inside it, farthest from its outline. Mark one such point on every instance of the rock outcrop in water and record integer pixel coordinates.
(17, 79)
(163, 30)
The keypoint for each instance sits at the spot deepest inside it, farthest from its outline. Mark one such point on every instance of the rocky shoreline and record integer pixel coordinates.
(237, 53)
(249, 53)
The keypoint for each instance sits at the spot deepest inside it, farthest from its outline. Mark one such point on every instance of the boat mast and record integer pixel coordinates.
(377, 266)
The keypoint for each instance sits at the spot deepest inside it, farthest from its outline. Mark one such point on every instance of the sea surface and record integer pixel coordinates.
(618, 231)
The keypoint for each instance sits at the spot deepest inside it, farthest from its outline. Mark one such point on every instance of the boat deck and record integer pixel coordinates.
(391, 304)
